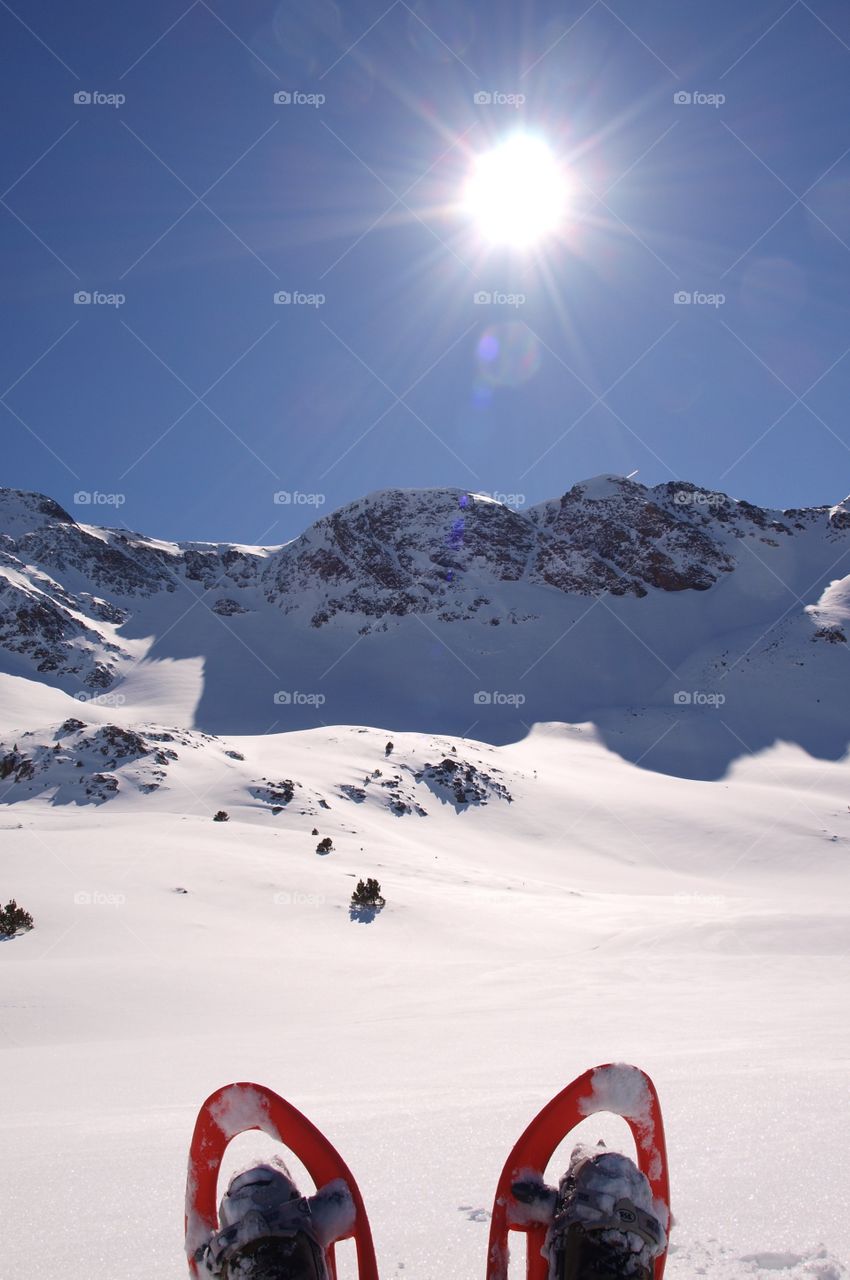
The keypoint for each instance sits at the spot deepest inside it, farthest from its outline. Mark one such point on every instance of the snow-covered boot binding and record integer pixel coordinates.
(269, 1231)
(605, 1225)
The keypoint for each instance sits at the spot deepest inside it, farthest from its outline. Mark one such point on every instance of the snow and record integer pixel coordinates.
(24, 702)
(597, 488)
(241, 1108)
(833, 607)
(841, 511)
(607, 913)
(485, 497)
(621, 1089)
(333, 1210)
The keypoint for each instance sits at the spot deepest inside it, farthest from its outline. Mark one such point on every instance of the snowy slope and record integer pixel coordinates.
(604, 912)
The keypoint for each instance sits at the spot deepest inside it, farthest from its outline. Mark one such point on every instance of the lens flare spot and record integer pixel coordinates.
(508, 355)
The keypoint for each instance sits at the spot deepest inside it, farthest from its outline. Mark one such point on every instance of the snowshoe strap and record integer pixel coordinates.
(625, 1217)
(320, 1219)
(292, 1219)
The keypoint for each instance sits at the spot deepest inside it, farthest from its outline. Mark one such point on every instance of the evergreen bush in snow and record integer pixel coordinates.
(13, 919)
(368, 894)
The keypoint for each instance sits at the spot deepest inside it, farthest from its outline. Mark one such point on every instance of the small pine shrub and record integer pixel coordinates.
(13, 918)
(325, 846)
(368, 894)
(388, 749)
(315, 830)
(221, 816)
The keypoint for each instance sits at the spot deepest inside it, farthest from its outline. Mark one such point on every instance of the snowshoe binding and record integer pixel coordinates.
(269, 1231)
(604, 1225)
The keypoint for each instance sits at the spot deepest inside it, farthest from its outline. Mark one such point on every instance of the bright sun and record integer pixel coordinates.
(517, 193)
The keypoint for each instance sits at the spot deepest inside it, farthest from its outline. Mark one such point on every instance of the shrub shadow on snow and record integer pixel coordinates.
(363, 915)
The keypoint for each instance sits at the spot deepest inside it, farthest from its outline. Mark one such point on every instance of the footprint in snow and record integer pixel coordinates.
(474, 1215)
(820, 1265)
(774, 1261)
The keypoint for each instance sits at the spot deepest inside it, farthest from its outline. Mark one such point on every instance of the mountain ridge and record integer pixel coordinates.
(436, 610)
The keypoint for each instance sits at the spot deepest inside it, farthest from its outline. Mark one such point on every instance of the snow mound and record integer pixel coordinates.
(832, 612)
(839, 515)
(599, 488)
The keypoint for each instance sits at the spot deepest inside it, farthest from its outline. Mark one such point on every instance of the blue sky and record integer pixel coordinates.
(198, 198)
